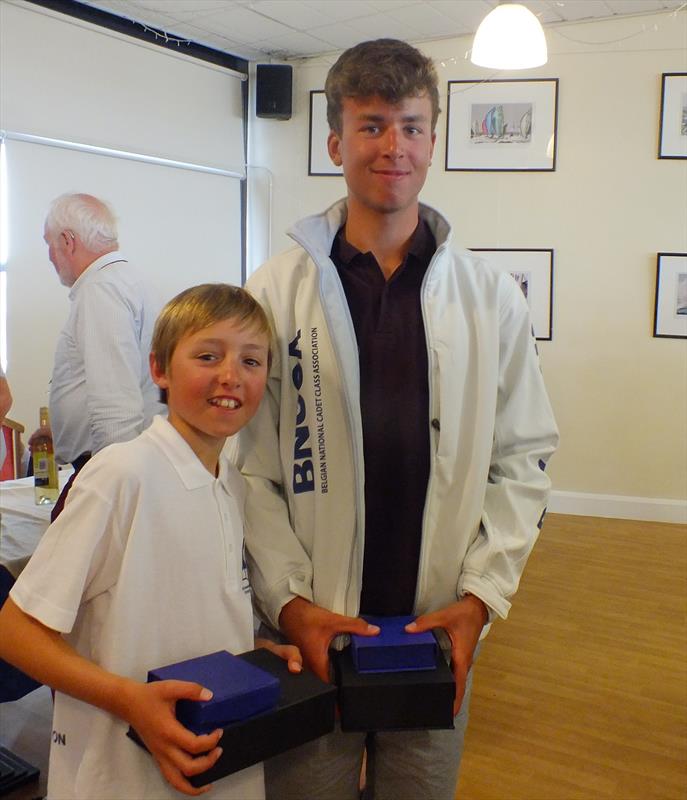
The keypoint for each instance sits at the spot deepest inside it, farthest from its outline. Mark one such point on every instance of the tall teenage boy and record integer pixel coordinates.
(144, 568)
(398, 466)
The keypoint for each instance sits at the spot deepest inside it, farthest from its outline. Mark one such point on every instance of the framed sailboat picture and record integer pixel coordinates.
(532, 270)
(502, 126)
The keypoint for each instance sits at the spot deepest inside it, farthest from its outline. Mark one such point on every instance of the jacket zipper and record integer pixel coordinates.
(360, 527)
(432, 448)
(357, 459)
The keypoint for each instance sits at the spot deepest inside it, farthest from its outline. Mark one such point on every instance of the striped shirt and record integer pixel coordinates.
(101, 389)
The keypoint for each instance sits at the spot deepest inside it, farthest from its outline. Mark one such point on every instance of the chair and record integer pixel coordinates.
(11, 432)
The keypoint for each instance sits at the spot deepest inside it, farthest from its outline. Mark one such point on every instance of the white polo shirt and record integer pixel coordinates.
(143, 568)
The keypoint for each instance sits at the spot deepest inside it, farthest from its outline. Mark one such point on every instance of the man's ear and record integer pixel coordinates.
(69, 241)
(334, 148)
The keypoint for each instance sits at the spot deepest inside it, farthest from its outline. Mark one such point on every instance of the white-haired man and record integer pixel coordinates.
(101, 390)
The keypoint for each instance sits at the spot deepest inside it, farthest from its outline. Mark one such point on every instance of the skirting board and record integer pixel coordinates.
(618, 506)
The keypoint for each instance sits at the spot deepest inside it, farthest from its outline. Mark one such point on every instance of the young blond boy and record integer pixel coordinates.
(144, 568)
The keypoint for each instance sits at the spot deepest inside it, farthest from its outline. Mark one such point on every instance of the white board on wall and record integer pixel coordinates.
(178, 227)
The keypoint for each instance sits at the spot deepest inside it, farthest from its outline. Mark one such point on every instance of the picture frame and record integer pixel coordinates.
(672, 134)
(532, 269)
(670, 306)
(319, 162)
(508, 125)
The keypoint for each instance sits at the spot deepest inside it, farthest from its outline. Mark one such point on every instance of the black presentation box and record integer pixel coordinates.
(305, 711)
(394, 701)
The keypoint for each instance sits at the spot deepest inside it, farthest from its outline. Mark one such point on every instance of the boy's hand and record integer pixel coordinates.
(312, 629)
(179, 752)
(289, 652)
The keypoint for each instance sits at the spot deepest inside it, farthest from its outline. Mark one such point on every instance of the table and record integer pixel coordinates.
(22, 522)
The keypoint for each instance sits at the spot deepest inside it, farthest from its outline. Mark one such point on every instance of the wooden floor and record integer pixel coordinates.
(580, 695)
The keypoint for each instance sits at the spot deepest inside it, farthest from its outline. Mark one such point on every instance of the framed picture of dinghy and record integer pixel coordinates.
(532, 270)
(502, 126)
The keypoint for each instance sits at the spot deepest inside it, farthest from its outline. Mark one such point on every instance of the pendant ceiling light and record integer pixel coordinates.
(509, 37)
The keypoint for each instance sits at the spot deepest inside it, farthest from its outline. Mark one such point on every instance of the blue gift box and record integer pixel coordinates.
(304, 712)
(240, 690)
(393, 650)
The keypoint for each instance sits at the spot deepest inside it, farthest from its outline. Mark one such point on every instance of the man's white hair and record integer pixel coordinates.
(91, 219)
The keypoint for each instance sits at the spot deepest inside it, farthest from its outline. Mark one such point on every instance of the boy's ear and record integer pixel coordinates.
(158, 375)
(334, 148)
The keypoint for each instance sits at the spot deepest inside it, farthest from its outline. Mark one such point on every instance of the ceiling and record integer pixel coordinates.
(283, 29)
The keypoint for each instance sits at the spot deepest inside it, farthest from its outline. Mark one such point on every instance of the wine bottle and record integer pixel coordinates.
(45, 483)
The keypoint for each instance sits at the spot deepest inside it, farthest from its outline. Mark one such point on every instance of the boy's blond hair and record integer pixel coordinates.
(199, 307)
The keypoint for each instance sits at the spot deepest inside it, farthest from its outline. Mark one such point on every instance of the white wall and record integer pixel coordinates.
(620, 395)
(64, 79)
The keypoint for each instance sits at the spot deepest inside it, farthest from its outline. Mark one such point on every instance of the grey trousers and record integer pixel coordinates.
(402, 765)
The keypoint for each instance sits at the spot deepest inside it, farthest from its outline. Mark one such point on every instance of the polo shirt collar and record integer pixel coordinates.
(95, 267)
(421, 243)
(180, 455)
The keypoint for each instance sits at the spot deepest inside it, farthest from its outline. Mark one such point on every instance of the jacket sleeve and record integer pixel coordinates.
(525, 436)
(279, 567)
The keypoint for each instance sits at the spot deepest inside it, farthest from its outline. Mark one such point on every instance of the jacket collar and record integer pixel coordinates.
(316, 233)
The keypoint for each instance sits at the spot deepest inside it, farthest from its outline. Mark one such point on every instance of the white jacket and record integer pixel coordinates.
(491, 429)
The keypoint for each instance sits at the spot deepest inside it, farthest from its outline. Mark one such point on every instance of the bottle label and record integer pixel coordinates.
(40, 465)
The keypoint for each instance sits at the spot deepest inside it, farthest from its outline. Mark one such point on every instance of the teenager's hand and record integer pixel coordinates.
(312, 629)
(463, 622)
(179, 752)
(289, 652)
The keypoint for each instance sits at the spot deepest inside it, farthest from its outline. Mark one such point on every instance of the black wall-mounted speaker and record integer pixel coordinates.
(273, 85)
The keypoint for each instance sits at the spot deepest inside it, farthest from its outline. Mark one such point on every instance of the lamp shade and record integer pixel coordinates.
(509, 37)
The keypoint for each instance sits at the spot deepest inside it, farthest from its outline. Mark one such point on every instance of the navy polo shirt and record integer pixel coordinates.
(394, 404)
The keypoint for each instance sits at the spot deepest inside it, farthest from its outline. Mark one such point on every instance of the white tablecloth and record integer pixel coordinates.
(22, 522)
